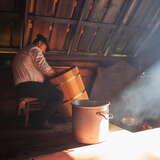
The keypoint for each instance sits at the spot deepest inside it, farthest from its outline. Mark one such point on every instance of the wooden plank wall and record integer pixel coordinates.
(8, 103)
(11, 17)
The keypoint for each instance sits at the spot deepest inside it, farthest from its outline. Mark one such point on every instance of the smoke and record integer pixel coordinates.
(141, 98)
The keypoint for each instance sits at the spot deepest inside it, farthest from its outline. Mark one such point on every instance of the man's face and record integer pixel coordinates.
(42, 46)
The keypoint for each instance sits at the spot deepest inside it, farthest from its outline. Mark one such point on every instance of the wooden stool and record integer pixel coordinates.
(27, 105)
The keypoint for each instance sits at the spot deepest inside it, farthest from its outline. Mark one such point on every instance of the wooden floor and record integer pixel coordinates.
(119, 145)
(20, 143)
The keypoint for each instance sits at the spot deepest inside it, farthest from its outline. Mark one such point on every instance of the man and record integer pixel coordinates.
(30, 69)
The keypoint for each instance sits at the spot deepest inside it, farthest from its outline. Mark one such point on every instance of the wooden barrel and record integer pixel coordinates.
(71, 84)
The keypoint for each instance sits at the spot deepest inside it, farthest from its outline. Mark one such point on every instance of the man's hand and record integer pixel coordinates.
(50, 72)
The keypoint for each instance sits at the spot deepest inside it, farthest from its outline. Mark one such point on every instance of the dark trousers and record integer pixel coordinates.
(49, 95)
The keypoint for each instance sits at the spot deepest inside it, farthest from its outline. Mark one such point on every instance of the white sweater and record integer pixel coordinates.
(30, 65)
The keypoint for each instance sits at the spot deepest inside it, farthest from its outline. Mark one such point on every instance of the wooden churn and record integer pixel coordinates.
(70, 83)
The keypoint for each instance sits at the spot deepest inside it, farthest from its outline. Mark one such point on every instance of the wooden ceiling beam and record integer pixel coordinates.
(51, 19)
(53, 57)
(83, 22)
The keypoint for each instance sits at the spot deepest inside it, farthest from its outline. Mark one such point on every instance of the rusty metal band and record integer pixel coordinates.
(73, 98)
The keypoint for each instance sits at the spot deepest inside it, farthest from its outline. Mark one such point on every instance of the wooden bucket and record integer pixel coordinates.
(71, 84)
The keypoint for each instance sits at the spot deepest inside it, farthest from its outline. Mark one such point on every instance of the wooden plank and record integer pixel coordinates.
(148, 33)
(9, 29)
(8, 52)
(83, 22)
(121, 42)
(125, 33)
(66, 8)
(43, 7)
(86, 39)
(113, 10)
(138, 19)
(118, 40)
(70, 32)
(52, 19)
(5, 34)
(153, 7)
(27, 25)
(146, 42)
(59, 32)
(64, 32)
(139, 15)
(97, 14)
(58, 36)
(101, 37)
(147, 20)
(15, 34)
(122, 9)
(22, 11)
(121, 33)
(40, 27)
(131, 11)
(98, 10)
(31, 6)
(75, 37)
(78, 9)
(128, 34)
(88, 9)
(69, 64)
(27, 32)
(97, 37)
(53, 57)
(7, 5)
(131, 41)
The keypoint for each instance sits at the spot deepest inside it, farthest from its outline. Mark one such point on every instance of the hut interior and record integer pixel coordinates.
(114, 44)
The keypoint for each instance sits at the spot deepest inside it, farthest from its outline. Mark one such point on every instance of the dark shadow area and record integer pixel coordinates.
(19, 143)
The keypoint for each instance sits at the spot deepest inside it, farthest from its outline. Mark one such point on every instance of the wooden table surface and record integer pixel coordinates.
(121, 144)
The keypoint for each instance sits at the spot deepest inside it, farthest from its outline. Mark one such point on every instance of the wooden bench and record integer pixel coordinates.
(27, 105)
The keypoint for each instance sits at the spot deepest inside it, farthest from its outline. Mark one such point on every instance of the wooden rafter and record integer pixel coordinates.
(53, 57)
(119, 24)
(74, 40)
(83, 22)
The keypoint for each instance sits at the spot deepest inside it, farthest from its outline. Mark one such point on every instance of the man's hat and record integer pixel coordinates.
(40, 37)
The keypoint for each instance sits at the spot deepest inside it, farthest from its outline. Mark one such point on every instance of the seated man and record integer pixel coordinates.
(29, 71)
